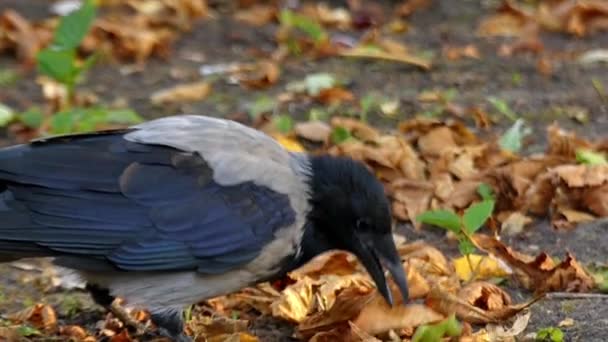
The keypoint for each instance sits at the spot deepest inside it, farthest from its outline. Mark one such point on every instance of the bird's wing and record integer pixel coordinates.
(150, 199)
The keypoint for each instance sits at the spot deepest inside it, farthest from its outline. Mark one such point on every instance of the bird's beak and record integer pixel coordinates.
(375, 251)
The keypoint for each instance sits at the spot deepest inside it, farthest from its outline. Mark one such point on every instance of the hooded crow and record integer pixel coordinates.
(180, 209)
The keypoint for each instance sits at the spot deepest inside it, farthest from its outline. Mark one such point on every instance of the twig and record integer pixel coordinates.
(573, 295)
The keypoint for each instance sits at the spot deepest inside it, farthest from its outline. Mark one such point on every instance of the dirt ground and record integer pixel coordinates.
(540, 99)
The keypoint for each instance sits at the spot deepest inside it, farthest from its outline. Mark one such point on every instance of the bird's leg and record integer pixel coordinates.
(170, 323)
(103, 298)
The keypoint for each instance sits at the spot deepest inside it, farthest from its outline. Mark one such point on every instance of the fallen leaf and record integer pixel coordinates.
(317, 131)
(260, 75)
(514, 223)
(335, 95)
(296, 301)
(358, 129)
(437, 141)
(484, 267)
(368, 53)
(257, 15)
(288, 143)
(40, 316)
(189, 92)
(576, 176)
(217, 327)
(498, 332)
(333, 262)
(490, 303)
(378, 317)
(539, 274)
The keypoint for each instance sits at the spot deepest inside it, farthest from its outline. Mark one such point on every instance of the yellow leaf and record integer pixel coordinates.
(485, 267)
(288, 143)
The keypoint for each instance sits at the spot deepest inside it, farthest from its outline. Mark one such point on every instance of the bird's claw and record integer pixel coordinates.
(119, 312)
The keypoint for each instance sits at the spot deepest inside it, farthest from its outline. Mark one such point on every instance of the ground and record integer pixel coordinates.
(536, 97)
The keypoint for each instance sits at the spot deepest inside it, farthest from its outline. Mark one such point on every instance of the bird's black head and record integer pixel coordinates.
(350, 211)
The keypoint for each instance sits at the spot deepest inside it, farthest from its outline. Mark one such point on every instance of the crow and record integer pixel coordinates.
(180, 209)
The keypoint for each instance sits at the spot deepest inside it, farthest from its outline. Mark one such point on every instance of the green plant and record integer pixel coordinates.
(435, 332)
(465, 225)
(550, 334)
(291, 20)
(60, 59)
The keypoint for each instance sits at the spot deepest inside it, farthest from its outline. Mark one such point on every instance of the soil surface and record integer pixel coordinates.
(538, 98)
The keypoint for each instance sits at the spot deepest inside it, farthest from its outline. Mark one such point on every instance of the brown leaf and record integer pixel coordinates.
(540, 274)
(596, 199)
(334, 95)
(483, 295)
(317, 131)
(563, 143)
(514, 223)
(378, 317)
(413, 196)
(457, 52)
(40, 316)
(18, 34)
(123, 336)
(73, 331)
(582, 175)
(333, 262)
(216, 327)
(437, 141)
(262, 75)
(348, 305)
(358, 129)
(352, 333)
(296, 301)
(257, 15)
(189, 92)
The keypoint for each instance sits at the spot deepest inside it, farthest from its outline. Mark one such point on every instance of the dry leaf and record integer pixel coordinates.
(358, 129)
(508, 334)
(216, 327)
(188, 92)
(260, 75)
(257, 15)
(40, 316)
(582, 175)
(317, 131)
(296, 301)
(334, 95)
(540, 274)
(514, 223)
(363, 52)
(437, 141)
(484, 267)
(333, 262)
(378, 317)
(495, 303)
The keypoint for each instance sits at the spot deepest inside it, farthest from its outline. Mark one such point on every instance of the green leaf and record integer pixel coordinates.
(318, 114)
(283, 123)
(446, 219)
(435, 332)
(476, 215)
(57, 64)
(589, 157)
(340, 135)
(485, 191)
(6, 115)
(8, 77)
(64, 122)
(511, 140)
(262, 105)
(307, 25)
(32, 117)
(122, 116)
(27, 331)
(74, 27)
(551, 334)
(503, 107)
(466, 247)
(317, 82)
